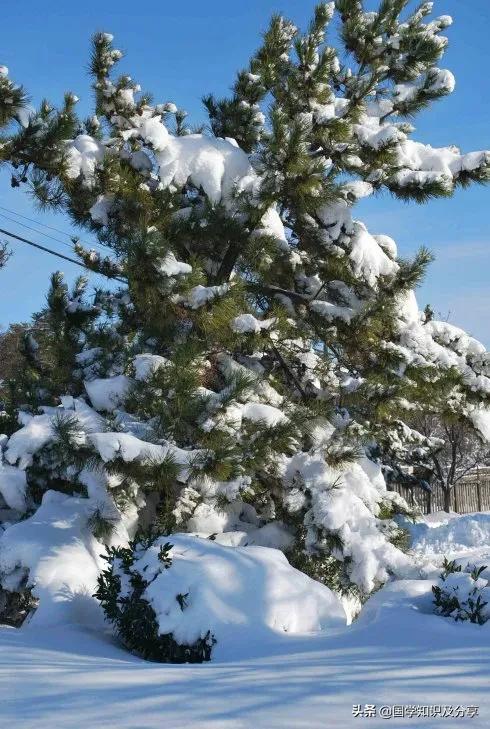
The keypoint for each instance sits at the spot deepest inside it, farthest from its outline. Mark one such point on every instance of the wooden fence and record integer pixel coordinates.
(472, 493)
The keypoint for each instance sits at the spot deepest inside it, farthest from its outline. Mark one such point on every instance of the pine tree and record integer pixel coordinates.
(258, 371)
(48, 348)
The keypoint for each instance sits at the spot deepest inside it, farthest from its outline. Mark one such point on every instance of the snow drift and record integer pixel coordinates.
(238, 594)
(456, 534)
(241, 594)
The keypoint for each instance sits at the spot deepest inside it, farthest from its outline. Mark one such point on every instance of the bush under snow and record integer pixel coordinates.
(173, 600)
(236, 594)
(462, 594)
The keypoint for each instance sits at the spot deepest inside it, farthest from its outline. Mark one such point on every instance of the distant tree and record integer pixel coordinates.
(10, 350)
(38, 358)
(460, 451)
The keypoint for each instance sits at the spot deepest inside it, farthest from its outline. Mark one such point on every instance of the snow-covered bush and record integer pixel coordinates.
(52, 560)
(462, 594)
(17, 605)
(122, 591)
(172, 601)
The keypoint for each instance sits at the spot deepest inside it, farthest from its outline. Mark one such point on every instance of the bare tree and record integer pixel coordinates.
(460, 452)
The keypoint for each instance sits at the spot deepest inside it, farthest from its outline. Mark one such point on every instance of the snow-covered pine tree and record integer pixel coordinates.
(49, 346)
(13, 100)
(254, 378)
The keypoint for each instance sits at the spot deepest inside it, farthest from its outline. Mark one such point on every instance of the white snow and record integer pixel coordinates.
(271, 225)
(387, 244)
(108, 393)
(35, 433)
(100, 210)
(146, 364)
(13, 487)
(37, 430)
(234, 592)
(55, 548)
(452, 535)
(332, 311)
(170, 266)
(200, 295)
(443, 161)
(465, 589)
(83, 154)
(215, 165)
(369, 259)
(130, 448)
(248, 323)
(418, 164)
(438, 80)
(259, 412)
(398, 652)
(438, 343)
(344, 502)
(481, 420)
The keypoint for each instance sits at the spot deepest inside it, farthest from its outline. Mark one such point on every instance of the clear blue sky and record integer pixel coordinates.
(179, 51)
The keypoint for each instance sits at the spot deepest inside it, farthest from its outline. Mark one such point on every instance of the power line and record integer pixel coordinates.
(50, 227)
(55, 253)
(34, 230)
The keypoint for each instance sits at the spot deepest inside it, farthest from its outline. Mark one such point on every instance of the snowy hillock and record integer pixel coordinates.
(240, 595)
(451, 534)
(209, 599)
(397, 645)
(54, 554)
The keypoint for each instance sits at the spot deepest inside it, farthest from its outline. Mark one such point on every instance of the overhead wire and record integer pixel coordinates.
(56, 253)
(51, 227)
(35, 230)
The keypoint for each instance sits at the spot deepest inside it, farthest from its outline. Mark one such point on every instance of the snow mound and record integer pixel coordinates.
(245, 596)
(216, 165)
(239, 594)
(83, 154)
(13, 487)
(459, 534)
(145, 365)
(107, 393)
(36, 432)
(58, 554)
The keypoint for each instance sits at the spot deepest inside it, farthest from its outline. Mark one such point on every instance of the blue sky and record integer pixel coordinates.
(179, 51)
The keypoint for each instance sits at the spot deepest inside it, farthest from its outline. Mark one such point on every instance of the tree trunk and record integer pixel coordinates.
(447, 499)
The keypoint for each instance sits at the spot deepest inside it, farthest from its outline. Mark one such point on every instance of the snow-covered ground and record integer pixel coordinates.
(462, 537)
(396, 653)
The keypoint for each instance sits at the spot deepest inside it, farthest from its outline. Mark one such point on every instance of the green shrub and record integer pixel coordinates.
(461, 594)
(121, 594)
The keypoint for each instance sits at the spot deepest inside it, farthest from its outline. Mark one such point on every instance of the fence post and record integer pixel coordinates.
(478, 494)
